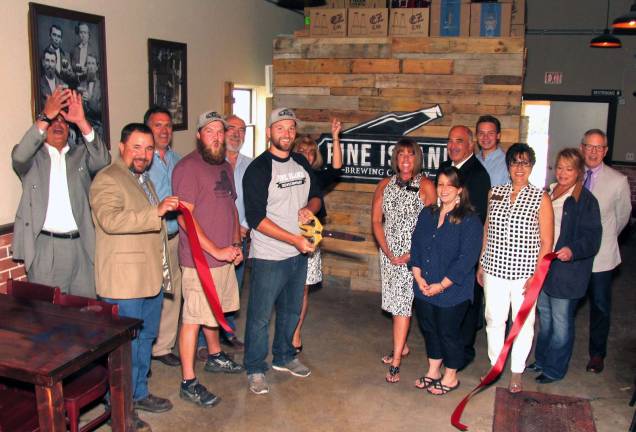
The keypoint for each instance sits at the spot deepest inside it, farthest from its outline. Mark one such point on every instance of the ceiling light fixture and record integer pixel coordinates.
(628, 21)
(606, 40)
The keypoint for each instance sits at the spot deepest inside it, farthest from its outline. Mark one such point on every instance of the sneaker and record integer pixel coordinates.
(294, 367)
(152, 403)
(258, 383)
(139, 425)
(198, 394)
(222, 363)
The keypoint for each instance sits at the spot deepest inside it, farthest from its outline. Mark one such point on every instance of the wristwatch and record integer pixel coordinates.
(42, 117)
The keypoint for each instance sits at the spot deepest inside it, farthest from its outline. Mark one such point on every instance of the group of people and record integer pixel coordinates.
(476, 235)
(114, 230)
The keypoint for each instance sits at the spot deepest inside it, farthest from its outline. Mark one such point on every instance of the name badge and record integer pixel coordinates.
(497, 197)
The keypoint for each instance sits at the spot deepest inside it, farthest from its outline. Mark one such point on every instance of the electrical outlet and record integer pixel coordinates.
(629, 156)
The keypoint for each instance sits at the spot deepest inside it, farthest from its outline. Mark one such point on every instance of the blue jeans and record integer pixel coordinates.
(280, 285)
(555, 339)
(600, 294)
(147, 309)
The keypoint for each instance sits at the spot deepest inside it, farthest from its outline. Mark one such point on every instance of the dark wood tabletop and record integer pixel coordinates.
(42, 343)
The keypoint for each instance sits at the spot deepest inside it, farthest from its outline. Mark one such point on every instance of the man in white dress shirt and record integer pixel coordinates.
(53, 230)
(611, 189)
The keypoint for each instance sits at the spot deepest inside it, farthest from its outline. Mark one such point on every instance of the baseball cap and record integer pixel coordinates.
(209, 117)
(279, 114)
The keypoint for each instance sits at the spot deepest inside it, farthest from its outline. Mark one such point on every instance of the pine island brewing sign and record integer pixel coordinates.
(367, 147)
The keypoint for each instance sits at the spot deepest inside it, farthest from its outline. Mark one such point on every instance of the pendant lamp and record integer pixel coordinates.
(627, 21)
(606, 40)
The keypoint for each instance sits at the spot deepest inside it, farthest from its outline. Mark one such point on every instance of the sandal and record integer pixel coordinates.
(394, 375)
(442, 388)
(425, 382)
(515, 383)
(388, 358)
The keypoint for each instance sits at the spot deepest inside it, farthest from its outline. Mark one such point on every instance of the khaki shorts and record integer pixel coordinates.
(196, 309)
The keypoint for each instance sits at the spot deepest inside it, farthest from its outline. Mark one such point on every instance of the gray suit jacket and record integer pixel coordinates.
(32, 163)
(611, 189)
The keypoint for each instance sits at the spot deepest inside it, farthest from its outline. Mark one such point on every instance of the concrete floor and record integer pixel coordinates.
(344, 338)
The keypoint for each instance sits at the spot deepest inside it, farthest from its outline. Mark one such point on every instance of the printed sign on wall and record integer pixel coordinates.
(367, 147)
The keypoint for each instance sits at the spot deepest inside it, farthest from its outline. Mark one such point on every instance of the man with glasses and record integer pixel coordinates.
(611, 189)
(491, 156)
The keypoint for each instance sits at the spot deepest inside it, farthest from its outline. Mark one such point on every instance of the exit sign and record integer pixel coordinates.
(553, 78)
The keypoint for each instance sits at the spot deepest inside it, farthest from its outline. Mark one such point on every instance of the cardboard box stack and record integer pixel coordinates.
(328, 22)
(409, 21)
(450, 18)
(490, 19)
(368, 22)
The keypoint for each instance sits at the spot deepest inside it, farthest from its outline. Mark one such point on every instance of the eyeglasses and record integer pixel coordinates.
(594, 148)
(520, 163)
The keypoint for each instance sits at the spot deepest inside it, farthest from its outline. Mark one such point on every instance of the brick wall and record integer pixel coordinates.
(630, 172)
(8, 267)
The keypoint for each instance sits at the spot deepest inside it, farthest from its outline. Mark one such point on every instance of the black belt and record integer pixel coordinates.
(69, 235)
(173, 235)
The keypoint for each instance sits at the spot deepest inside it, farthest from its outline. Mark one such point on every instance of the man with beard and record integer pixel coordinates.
(204, 183)
(131, 263)
(53, 230)
(49, 80)
(91, 89)
(279, 192)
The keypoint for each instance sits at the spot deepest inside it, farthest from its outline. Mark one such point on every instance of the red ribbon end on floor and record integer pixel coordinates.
(530, 298)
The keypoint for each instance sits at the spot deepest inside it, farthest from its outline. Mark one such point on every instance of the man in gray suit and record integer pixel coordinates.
(611, 189)
(53, 229)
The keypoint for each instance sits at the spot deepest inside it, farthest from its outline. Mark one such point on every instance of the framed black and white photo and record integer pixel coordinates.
(68, 49)
(168, 79)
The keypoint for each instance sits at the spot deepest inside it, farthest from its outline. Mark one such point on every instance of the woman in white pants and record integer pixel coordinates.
(518, 232)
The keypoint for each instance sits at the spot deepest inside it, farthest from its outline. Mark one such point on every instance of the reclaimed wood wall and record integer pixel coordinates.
(357, 79)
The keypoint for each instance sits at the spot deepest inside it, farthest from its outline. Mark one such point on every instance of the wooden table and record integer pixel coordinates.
(42, 343)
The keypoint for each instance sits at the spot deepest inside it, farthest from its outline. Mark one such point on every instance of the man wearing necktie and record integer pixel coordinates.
(611, 189)
(131, 263)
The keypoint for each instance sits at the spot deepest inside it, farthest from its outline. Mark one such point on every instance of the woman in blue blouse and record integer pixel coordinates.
(444, 251)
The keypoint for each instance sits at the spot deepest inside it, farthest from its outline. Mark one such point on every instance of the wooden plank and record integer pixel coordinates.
(469, 97)
(501, 87)
(354, 91)
(461, 56)
(495, 110)
(434, 67)
(324, 80)
(389, 104)
(312, 66)
(318, 102)
(503, 79)
(354, 187)
(487, 67)
(375, 66)
(456, 44)
(511, 135)
(50, 406)
(362, 248)
(325, 115)
(470, 120)
(421, 81)
(323, 91)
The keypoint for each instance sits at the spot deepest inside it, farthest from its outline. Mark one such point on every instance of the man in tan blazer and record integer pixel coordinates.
(611, 189)
(131, 264)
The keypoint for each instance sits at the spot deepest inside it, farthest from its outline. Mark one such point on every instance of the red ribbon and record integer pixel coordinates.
(203, 270)
(529, 300)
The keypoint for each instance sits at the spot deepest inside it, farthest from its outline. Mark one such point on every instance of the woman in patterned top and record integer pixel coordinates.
(518, 232)
(326, 176)
(397, 202)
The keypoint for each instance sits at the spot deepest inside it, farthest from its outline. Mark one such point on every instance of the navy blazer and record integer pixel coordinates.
(449, 251)
(581, 231)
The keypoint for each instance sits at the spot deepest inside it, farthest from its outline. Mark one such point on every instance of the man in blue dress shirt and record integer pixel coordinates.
(159, 120)
(491, 156)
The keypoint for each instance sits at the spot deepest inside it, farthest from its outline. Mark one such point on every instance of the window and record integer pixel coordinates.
(244, 107)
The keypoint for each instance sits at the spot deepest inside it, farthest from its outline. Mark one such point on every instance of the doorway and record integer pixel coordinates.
(555, 122)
